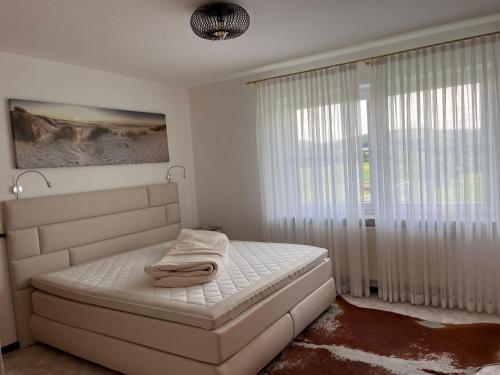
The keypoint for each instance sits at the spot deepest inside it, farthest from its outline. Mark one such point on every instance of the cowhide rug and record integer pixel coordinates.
(353, 340)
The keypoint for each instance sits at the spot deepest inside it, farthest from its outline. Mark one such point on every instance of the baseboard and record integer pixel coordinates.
(11, 347)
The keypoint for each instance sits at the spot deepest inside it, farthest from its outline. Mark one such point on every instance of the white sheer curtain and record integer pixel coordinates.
(310, 158)
(435, 141)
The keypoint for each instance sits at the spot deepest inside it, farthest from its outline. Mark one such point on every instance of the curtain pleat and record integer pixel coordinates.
(435, 143)
(310, 158)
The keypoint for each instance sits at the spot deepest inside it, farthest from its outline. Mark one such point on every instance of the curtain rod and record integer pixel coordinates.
(369, 59)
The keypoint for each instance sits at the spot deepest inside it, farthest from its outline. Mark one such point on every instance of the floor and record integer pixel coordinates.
(435, 314)
(41, 359)
(352, 340)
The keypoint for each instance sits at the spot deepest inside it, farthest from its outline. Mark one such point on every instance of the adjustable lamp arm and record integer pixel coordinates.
(169, 176)
(18, 189)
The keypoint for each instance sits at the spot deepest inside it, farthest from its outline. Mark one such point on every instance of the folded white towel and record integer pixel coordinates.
(195, 258)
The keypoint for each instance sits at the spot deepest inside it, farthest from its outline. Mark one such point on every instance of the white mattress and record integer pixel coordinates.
(253, 271)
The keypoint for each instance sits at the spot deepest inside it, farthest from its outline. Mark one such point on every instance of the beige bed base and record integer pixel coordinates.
(55, 232)
(131, 358)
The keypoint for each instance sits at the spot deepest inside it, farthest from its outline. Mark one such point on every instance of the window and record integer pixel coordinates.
(321, 126)
(456, 180)
(444, 145)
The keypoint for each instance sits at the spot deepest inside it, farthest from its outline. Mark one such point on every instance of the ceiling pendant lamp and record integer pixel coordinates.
(220, 21)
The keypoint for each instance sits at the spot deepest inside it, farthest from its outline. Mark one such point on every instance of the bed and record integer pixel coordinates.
(77, 272)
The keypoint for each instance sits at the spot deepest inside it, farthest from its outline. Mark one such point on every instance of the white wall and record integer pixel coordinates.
(224, 146)
(224, 140)
(28, 78)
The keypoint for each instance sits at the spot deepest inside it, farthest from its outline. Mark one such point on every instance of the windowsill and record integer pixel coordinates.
(370, 222)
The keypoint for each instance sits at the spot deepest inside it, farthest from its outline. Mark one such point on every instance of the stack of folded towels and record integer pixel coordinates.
(195, 258)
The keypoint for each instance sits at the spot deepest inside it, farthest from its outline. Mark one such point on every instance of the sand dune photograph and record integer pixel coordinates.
(50, 135)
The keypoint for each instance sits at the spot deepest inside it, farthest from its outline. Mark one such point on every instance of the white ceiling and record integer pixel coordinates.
(152, 39)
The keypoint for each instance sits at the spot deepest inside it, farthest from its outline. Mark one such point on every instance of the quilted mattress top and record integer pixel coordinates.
(253, 271)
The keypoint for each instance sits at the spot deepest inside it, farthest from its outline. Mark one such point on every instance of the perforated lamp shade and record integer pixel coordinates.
(220, 21)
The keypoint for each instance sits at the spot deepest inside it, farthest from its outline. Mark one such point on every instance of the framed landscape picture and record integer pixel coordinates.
(49, 135)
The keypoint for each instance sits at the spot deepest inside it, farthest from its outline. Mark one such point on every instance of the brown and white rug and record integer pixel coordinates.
(353, 340)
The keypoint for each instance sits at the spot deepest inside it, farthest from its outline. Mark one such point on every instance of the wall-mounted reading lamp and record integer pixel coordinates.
(18, 189)
(169, 176)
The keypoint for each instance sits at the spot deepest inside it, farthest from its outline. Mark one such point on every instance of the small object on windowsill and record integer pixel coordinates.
(212, 228)
(369, 222)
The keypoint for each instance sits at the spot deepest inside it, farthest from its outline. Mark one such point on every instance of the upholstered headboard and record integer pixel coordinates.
(54, 232)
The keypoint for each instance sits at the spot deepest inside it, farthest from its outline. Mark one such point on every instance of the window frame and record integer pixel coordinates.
(368, 207)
